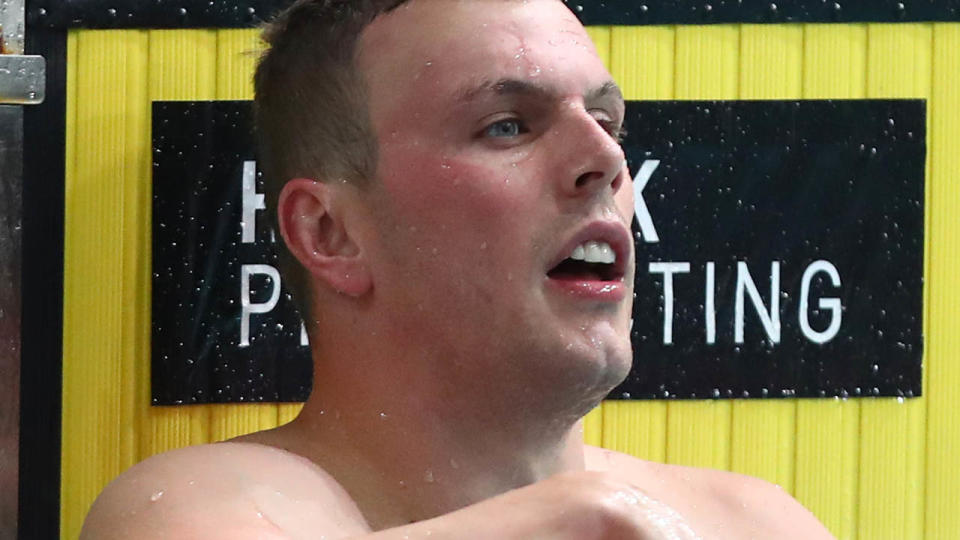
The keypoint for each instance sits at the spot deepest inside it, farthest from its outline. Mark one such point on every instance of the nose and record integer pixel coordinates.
(593, 158)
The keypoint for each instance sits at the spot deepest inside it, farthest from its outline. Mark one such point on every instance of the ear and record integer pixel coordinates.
(313, 225)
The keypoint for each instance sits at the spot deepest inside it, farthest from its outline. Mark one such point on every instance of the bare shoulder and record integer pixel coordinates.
(224, 490)
(723, 504)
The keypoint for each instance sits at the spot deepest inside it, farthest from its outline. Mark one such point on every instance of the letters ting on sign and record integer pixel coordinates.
(770, 317)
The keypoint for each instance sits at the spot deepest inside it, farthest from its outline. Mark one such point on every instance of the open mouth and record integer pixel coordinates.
(589, 261)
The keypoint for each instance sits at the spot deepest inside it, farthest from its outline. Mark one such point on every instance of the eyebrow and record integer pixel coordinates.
(509, 87)
(607, 89)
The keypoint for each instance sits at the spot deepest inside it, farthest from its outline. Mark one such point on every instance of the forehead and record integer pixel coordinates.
(430, 49)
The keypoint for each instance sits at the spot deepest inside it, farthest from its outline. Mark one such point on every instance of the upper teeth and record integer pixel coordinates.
(594, 252)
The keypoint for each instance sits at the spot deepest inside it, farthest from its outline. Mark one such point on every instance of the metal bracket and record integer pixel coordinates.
(22, 79)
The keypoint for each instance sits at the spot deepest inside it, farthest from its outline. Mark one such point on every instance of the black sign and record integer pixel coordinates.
(779, 254)
(780, 248)
(250, 13)
(224, 330)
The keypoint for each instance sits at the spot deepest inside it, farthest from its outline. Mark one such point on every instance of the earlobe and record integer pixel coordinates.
(312, 222)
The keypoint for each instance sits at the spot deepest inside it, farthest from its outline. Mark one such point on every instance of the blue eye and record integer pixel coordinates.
(504, 128)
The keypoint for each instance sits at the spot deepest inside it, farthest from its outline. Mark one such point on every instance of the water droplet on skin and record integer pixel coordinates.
(454, 464)
(428, 476)
(483, 245)
(156, 496)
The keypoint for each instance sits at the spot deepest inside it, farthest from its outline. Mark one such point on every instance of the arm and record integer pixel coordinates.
(579, 506)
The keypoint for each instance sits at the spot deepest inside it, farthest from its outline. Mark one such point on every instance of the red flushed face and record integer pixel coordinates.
(502, 202)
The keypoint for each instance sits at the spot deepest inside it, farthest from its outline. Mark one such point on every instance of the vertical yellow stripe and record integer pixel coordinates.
(827, 473)
(237, 52)
(182, 67)
(600, 35)
(763, 439)
(638, 428)
(642, 61)
(707, 58)
(593, 426)
(99, 349)
(287, 412)
(943, 337)
(707, 62)
(72, 500)
(771, 61)
(235, 60)
(892, 439)
(642, 64)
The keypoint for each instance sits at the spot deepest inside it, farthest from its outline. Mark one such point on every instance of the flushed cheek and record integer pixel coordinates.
(436, 190)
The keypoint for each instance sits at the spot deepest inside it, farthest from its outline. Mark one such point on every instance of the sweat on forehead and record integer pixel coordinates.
(438, 46)
(417, 24)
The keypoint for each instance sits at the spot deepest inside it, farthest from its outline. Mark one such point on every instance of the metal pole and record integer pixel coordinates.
(21, 81)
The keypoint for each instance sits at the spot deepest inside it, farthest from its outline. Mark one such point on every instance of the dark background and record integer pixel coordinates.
(245, 13)
(788, 181)
(199, 150)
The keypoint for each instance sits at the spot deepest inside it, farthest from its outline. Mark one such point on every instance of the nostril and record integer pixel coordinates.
(582, 181)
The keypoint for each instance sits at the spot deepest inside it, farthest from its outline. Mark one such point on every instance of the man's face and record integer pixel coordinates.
(497, 125)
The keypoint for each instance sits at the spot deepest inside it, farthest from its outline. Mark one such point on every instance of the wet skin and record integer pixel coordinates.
(497, 131)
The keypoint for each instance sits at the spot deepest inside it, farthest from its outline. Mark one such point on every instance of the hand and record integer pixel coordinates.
(608, 507)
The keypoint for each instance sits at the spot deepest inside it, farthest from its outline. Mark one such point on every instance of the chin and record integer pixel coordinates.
(592, 373)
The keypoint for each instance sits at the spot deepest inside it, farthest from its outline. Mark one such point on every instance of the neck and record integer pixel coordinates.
(414, 454)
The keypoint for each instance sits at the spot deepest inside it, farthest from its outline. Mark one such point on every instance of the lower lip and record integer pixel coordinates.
(604, 291)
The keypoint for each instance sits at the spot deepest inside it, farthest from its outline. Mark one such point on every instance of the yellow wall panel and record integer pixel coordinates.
(638, 428)
(237, 53)
(827, 460)
(287, 412)
(108, 130)
(834, 66)
(834, 61)
(593, 426)
(763, 438)
(771, 61)
(641, 61)
(707, 62)
(943, 301)
(892, 440)
(706, 58)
